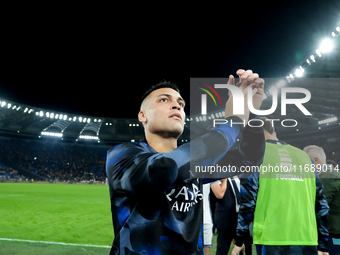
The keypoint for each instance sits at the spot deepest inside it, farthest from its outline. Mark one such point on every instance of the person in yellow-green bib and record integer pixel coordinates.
(285, 202)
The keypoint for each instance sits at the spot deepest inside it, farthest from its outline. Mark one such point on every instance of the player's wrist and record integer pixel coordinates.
(238, 241)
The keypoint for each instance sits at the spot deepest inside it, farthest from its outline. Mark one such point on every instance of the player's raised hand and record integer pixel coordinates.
(229, 106)
(247, 79)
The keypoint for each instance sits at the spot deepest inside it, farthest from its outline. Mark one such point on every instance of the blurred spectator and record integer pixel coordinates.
(207, 219)
(330, 177)
(227, 206)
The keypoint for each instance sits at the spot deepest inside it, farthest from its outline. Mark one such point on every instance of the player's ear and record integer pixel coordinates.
(142, 117)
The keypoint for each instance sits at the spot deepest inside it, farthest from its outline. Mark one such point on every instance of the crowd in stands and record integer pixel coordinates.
(9, 174)
(60, 161)
(54, 160)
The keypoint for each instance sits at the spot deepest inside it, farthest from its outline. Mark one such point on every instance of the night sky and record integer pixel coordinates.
(98, 61)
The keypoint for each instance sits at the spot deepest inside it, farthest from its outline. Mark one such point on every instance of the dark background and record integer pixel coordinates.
(98, 60)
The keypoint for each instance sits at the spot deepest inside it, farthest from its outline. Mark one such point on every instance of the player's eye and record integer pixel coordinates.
(163, 99)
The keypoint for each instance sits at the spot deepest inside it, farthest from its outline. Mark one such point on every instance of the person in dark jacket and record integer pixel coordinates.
(330, 177)
(226, 211)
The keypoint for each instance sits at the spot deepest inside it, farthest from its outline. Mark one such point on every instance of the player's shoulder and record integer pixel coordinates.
(298, 150)
(127, 148)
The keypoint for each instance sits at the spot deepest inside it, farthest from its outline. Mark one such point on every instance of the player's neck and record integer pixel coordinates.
(268, 136)
(161, 144)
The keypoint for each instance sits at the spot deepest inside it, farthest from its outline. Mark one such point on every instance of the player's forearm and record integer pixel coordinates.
(253, 145)
(134, 169)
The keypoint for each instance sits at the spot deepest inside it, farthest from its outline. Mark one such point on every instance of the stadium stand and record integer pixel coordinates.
(53, 161)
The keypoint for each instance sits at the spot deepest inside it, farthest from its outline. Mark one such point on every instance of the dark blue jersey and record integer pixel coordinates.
(157, 207)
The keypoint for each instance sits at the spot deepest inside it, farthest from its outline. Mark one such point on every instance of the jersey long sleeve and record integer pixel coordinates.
(156, 204)
(321, 212)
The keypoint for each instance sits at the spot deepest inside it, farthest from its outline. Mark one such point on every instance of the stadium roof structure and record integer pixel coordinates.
(27, 121)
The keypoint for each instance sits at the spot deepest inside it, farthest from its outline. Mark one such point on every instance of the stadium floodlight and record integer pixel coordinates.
(329, 120)
(281, 83)
(312, 58)
(318, 51)
(53, 134)
(307, 60)
(3, 103)
(326, 45)
(9, 105)
(88, 137)
(298, 73)
(338, 29)
(333, 34)
(291, 76)
(271, 90)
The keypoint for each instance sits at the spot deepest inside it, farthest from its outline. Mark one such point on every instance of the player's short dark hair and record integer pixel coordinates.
(163, 84)
(268, 125)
